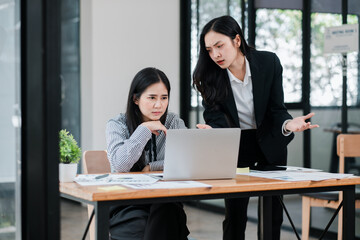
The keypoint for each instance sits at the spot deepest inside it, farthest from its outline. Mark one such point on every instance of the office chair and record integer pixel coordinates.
(348, 145)
(350, 163)
(94, 162)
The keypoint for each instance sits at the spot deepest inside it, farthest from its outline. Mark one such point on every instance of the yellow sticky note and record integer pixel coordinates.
(111, 188)
(243, 170)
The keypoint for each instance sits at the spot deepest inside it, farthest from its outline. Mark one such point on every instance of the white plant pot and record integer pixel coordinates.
(67, 172)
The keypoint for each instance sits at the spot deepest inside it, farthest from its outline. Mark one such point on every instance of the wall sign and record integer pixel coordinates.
(342, 39)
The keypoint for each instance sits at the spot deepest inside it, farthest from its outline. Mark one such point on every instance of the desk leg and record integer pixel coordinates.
(349, 214)
(101, 221)
(265, 217)
(334, 159)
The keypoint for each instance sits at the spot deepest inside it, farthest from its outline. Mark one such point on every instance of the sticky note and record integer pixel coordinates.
(111, 188)
(243, 170)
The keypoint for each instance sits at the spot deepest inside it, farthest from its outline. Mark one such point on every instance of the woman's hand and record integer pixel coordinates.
(298, 124)
(155, 127)
(203, 126)
(146, 168)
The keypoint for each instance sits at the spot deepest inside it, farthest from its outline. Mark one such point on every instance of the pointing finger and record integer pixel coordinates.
(310, 115)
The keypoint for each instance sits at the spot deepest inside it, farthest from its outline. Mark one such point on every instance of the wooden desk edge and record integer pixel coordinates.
(241, 184)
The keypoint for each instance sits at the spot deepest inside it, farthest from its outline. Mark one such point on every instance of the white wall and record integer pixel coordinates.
(119, 38)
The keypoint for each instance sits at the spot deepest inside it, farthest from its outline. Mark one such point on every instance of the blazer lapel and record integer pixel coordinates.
(230, 105)
(258, 78)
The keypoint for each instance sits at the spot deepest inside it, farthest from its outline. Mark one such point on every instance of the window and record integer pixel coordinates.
(326, 69)
(9, 118)
(202, 12)
(280, 31)
(70, 67)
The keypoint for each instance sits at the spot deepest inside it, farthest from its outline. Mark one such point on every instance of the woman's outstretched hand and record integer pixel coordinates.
(203, 126)
(155, 127)
(298, 124)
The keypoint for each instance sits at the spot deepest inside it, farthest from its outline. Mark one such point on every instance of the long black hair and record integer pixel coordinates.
(142, 80)
(208, 78)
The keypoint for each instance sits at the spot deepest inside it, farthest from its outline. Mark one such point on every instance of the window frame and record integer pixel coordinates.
(41, 118)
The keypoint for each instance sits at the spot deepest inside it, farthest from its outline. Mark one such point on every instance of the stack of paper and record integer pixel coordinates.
(298, 174)
(137, 181)
(110, 179)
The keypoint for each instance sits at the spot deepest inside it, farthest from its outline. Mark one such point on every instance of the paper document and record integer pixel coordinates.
(298, 175)
(303, 169)
(156, 175)
(168, 184)
(111, 179)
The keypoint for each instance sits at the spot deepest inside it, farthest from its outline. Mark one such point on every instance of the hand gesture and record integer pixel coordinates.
(298, 124)
(155, 127)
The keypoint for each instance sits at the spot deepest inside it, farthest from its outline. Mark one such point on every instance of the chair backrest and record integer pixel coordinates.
(348, 145)
(96, 162)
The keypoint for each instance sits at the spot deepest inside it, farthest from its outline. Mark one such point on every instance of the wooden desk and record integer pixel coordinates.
(242, 186)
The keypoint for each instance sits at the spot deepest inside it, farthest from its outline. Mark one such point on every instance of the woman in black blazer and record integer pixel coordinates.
(242, 87)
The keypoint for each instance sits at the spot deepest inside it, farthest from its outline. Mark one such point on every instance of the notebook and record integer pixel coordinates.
(192, 154)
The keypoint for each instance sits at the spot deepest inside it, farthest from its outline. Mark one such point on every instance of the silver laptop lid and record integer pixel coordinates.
(201, 153)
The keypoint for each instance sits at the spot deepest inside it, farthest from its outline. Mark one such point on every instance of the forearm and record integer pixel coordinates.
(157, 165)
(124, 153)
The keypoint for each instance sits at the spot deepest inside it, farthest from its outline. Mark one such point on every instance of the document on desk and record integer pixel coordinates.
(300, 169)
(298, 175)
(111, 179)
(168, 184)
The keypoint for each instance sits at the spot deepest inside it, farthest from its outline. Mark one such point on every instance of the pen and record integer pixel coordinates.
(102, 176)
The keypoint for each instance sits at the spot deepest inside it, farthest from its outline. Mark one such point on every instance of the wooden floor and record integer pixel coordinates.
(203, 224)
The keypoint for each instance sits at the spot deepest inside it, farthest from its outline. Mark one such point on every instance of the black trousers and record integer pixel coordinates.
(234, 225)
(164, 221)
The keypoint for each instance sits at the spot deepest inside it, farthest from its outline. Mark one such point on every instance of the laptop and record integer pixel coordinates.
(193, 154)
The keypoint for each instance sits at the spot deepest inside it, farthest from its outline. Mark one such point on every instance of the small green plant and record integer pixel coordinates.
(69, 150)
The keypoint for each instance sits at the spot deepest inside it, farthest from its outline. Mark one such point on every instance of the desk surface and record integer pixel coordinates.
(241, 183)
(351, 130)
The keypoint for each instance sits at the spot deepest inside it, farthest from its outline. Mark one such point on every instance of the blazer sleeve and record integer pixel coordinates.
(216, 116)
(278, 110)
(271, 138)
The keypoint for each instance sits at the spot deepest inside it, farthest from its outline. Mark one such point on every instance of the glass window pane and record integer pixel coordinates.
(9, 118)
(195, 32)
(279, 31)
(326, 69)
(209, 9)
(202, 12)
(70, 87)
(200, 15)
(235, 10)
(70, 68)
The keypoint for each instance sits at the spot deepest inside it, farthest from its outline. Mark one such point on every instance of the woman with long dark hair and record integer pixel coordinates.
(242, 87)
(135, 142)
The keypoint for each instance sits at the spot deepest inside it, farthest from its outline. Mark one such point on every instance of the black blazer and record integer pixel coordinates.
(270, 110)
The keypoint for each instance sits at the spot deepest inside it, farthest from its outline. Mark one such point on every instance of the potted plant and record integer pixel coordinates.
(70, 154)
